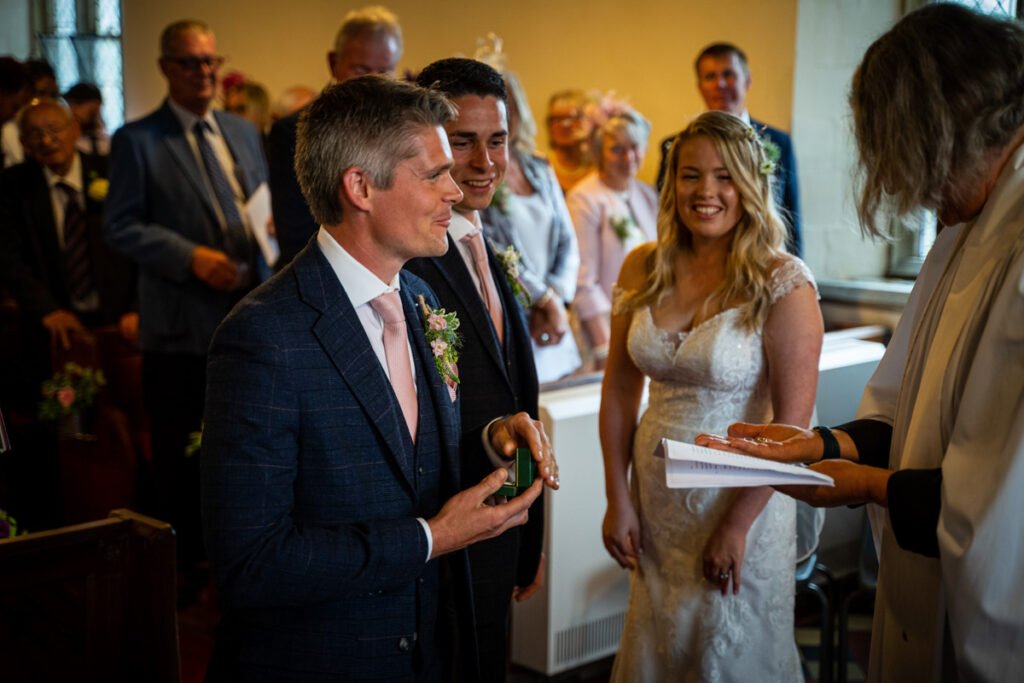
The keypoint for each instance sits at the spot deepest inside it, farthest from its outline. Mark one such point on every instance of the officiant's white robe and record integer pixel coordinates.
(952, 386)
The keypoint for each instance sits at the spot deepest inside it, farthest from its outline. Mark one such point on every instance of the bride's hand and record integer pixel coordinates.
(723, 557)
(779, 442)
(621, 532)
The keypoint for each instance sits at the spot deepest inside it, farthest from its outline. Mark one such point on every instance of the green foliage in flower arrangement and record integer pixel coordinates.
(71, 389)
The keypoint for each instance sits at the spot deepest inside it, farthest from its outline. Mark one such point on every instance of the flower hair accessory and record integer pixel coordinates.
(441, 330)
(768, 152)
(509, 259)
(602, 109)
(489, 51)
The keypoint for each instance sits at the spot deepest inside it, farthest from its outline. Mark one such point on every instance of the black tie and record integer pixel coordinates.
(235, 239)
(76, 246)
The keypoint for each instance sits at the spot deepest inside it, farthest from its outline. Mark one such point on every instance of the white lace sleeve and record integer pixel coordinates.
(619, 296)
(789, 275)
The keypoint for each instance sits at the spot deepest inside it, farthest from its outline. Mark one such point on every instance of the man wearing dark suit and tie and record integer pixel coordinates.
(179, 178)
(497, 371)
(369, 41)
(52, 253)
(331, 475)
(66, 281)
(723, 78)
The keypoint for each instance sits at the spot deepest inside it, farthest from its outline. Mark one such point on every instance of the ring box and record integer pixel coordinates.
(520, 475)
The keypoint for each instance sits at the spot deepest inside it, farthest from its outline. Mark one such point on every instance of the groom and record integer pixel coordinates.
(330, 455)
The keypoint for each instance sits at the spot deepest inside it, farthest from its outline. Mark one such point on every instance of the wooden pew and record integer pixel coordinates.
(90, 602)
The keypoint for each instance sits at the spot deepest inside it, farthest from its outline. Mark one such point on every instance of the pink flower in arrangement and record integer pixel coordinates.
(437, 322)
(439, 347)
(65, 396)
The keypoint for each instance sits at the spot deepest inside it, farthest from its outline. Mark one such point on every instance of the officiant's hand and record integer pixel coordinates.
(778, 442)
(522, 431)
(465, 518)
(854, 484)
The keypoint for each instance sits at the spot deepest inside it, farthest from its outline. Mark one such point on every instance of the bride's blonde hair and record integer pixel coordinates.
(759, 235)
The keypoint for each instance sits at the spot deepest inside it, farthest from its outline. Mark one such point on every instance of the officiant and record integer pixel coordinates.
(940, 437)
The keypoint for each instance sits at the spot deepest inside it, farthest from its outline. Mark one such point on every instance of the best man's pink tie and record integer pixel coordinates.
(490, 293)
(396, 351)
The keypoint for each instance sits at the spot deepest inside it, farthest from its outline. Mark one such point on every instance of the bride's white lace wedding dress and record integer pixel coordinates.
(679, 627)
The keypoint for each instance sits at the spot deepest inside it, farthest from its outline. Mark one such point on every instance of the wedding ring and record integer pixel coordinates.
(545, 337)
(762, 439)
(724, 576)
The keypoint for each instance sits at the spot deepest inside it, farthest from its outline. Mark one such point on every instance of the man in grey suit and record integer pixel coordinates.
(331, 480)
(179, 178)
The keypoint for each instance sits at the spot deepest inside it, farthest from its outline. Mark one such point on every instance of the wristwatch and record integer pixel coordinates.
(831, 444)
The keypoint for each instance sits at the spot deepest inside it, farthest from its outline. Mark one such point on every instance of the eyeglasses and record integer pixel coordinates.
(35, 135)
(211, 62)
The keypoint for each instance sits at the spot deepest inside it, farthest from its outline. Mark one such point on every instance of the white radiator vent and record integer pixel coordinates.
(587, 641)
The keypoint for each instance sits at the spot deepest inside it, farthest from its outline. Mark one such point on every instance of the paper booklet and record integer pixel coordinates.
(688, 466)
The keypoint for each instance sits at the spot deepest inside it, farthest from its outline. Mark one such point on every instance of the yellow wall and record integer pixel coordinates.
(643, 49)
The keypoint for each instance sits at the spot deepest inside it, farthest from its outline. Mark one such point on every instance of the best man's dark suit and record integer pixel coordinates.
(494, 381)
(311, 490)
(32, 261)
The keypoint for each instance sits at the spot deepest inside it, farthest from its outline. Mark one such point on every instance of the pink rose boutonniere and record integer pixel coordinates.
(441, 330)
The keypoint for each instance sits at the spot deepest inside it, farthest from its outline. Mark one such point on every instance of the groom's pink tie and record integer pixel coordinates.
(396, 351)
(490, 293)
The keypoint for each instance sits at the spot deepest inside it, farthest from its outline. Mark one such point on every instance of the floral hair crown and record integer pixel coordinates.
(768, 152)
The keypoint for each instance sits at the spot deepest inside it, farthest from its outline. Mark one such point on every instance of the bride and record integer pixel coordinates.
(727, 327)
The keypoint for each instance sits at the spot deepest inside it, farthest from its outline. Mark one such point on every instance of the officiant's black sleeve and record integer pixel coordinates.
(914, 495)
(872, 438)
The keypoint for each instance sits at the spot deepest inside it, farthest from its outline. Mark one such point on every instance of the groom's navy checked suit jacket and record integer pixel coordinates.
(312, 486)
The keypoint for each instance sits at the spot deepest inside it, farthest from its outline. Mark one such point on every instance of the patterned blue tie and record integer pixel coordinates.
(77, 262)
(236, 242)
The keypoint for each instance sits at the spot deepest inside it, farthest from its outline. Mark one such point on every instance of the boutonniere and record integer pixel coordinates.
(441, 330)
(500, 198)
(509, 259)
(97, 188)
(622, 226)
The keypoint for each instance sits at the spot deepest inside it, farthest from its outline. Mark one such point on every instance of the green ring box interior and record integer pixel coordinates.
(520, 475)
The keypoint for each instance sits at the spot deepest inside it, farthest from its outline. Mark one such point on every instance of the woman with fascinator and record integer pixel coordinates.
(612, 212)
(725, 324)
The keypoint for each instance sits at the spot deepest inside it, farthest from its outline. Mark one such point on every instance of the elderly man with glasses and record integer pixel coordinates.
(179, 180)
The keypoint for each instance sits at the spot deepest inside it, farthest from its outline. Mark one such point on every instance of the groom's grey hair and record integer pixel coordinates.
(368, 122)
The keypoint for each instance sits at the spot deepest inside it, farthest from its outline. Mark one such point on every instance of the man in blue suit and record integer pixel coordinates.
(723, 78)
(179, 178)
(331, 481)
